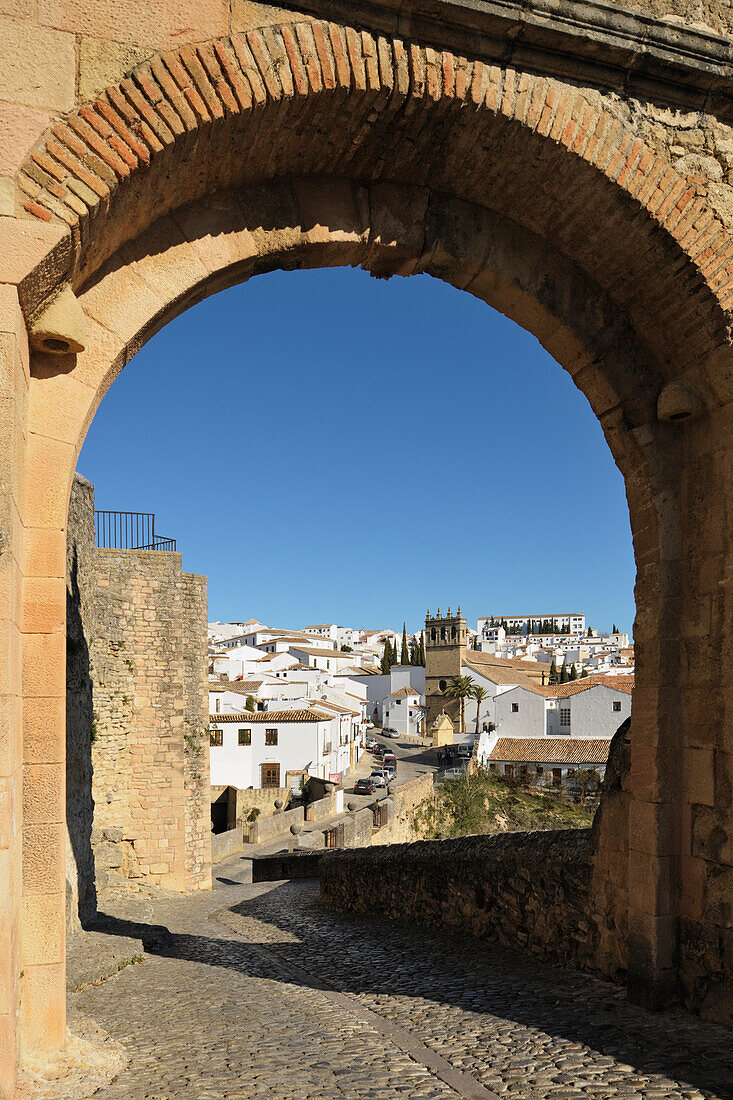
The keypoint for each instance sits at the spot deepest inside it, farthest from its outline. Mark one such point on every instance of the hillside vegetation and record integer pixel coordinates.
(482, 803)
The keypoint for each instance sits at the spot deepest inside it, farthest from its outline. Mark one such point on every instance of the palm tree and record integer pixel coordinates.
(479, 694)
(460, 688)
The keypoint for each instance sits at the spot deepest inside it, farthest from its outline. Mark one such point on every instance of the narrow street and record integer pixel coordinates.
(254, 991)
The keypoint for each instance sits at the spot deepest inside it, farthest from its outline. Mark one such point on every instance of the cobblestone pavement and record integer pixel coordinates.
(257, 992)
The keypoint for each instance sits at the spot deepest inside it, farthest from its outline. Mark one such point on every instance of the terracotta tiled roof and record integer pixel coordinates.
(315, 651)
(523, 673)
(273, 716)
(551, 750)
(335, 706)
(403, 693)
(239, 687)
(622, 684)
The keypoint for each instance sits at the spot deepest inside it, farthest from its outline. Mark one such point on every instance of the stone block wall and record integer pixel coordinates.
(255, 798)
(403, 803)
(137, 707)
(523, 889)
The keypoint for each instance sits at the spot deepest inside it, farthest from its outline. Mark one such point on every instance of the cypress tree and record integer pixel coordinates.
(564, 673)
(422, 649)
(405, 646)
(553, 672)
(615, 629)
(573, 672)
(584, 673)
(385, 664)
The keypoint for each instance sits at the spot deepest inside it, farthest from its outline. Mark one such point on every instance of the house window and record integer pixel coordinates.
(398, 702)
(245, 737)
(515, 708)
(216, 737)
(564, 716)
(270, 775)
(617, 704)
(270, 737)
(218, 704)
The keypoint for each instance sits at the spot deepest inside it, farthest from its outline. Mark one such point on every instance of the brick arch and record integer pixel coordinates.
(316, 145)
(315, 97)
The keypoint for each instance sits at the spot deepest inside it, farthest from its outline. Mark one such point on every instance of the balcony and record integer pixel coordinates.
(129, 531)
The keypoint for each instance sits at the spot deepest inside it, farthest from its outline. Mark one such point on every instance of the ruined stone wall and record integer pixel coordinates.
(137, 726)
(151, 712)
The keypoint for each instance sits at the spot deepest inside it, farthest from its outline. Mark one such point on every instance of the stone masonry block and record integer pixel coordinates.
(44, 793)
(157, 26)
(44, 859)
(38, 66)
(20, 129)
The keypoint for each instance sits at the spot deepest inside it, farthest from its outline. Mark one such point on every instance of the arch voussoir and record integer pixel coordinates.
(230, 111)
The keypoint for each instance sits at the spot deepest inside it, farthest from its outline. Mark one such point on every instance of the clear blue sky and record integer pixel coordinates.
(328, 447)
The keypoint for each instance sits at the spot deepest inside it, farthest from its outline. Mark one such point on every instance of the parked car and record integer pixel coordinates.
(391, 772)
(371, 744)
(464, 751)
(379, 777)
(387, 731)
(364, 786)
(388, 759)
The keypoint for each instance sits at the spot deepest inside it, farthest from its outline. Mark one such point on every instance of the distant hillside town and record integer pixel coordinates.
(536, 696)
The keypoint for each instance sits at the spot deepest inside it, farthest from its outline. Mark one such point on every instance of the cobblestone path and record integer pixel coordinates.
(257, 992)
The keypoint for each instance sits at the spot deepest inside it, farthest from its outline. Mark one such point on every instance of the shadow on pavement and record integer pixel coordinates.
(375, 957)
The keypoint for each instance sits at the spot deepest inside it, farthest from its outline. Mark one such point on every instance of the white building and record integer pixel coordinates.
(574, 620)
(328, 660)
(404, 710)
(270, 748)
(545, 734)
(379, 686)
(329, 631)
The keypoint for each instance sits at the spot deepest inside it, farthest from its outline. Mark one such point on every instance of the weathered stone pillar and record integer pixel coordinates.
(14, 374)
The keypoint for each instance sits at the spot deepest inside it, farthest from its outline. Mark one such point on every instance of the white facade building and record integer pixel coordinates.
(266, 749)
(404, 710)
(575, 620)
(327, 660)
(546, 734)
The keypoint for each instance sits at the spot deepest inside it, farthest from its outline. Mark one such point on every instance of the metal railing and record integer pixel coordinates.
(129, 531)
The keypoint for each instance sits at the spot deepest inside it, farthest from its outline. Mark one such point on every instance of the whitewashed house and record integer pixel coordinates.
(328, 631)
(546, 734)
(268, 748)
(327, 660)
(404, 711)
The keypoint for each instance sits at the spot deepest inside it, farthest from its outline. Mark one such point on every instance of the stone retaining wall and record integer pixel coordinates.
(271, 827)
(522, 889)
(226, 844)
(322, 808)
(403, 803)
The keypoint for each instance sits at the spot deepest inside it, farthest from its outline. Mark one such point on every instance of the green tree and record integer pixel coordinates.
(405, 660)
(615, 629)
(386, 662)
(480, 694)
(573, 672)
(584, 673)
(552, 679)
(564, 673)
(459, 689)
(422, 649)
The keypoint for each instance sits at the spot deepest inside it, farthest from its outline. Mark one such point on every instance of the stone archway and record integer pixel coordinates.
(312, 144)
